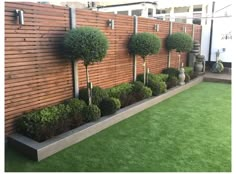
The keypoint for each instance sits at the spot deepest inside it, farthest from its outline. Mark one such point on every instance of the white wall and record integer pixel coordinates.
(205, 40)
(144, 7)
(221, 27)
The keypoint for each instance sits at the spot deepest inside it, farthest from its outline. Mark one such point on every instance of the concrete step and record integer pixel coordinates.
(215, 79)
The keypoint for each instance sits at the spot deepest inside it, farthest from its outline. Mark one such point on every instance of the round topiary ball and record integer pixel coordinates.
(91, 113)
(182, 42)
(109, 106)
(144, 44)
(86, 43)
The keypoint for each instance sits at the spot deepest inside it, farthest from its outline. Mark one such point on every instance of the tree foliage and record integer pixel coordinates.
(86, 43)
(144, 44)
(182, 42)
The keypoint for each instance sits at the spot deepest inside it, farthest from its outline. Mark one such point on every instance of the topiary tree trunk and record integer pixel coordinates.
(144, 70)
(179, 56)
(88, 87)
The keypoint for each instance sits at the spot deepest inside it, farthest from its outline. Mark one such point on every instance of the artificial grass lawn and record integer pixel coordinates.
(188, 132)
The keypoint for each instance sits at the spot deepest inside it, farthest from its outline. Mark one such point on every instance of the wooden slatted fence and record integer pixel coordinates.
(38, 75)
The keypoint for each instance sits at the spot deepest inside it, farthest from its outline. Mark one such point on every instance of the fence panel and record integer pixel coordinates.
(36, 75)
(156, 62)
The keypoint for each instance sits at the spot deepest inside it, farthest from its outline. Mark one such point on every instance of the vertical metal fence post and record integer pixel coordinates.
(74, 62)
(134, 56)
(169, 53)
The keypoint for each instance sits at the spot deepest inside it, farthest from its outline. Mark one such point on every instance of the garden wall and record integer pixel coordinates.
(36, 73)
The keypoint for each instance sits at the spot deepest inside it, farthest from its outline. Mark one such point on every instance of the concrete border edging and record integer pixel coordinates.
(40, 151)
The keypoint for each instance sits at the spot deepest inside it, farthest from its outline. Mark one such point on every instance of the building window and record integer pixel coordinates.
(122, 12)
(160, 11)
(180, 20)
(197, 8)
(150, 12)
(136, 12)
(181, 9)
(197, 21)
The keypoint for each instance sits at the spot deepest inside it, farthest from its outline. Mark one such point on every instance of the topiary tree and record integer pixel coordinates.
(179, 41)
(144, 44)
(87, 44)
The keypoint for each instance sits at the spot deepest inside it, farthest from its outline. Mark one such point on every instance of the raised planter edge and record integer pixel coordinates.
(39, 151)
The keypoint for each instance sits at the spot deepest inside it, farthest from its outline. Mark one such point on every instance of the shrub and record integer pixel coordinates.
(172, 82)
(155, 77)
(76, 107)
(45, 123)
(151, 77)
(109, 106)
(145, 92)
(144, 44)
(180, 41)
(140, 91)
(88, 44)
(157, 87)
(162, 77)
(123, 92)
(187, 78)
(171, 72)
(97, 95)
(193, 75)
(155, 83)
(91, 113)
(137, 86)
(188, 70)
(117, 102)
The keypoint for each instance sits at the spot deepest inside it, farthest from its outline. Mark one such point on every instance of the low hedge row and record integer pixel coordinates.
(157, 83)
(45, 123)
(129, 93)
(48, 122)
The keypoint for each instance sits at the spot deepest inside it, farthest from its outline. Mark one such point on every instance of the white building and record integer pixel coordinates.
(186, 11)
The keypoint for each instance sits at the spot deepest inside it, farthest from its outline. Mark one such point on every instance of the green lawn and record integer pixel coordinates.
(188, 132)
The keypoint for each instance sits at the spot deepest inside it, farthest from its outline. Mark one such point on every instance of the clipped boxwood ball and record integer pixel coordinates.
(91, 113)
(109, 106)
(97, 95)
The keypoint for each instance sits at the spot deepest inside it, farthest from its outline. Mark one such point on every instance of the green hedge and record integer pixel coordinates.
(123, 92)
(188, 70)
(109, 106)
(171, 72)
(97, 95)
(45, 123)
(91, 113)
(77, 107)
(155, 82)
